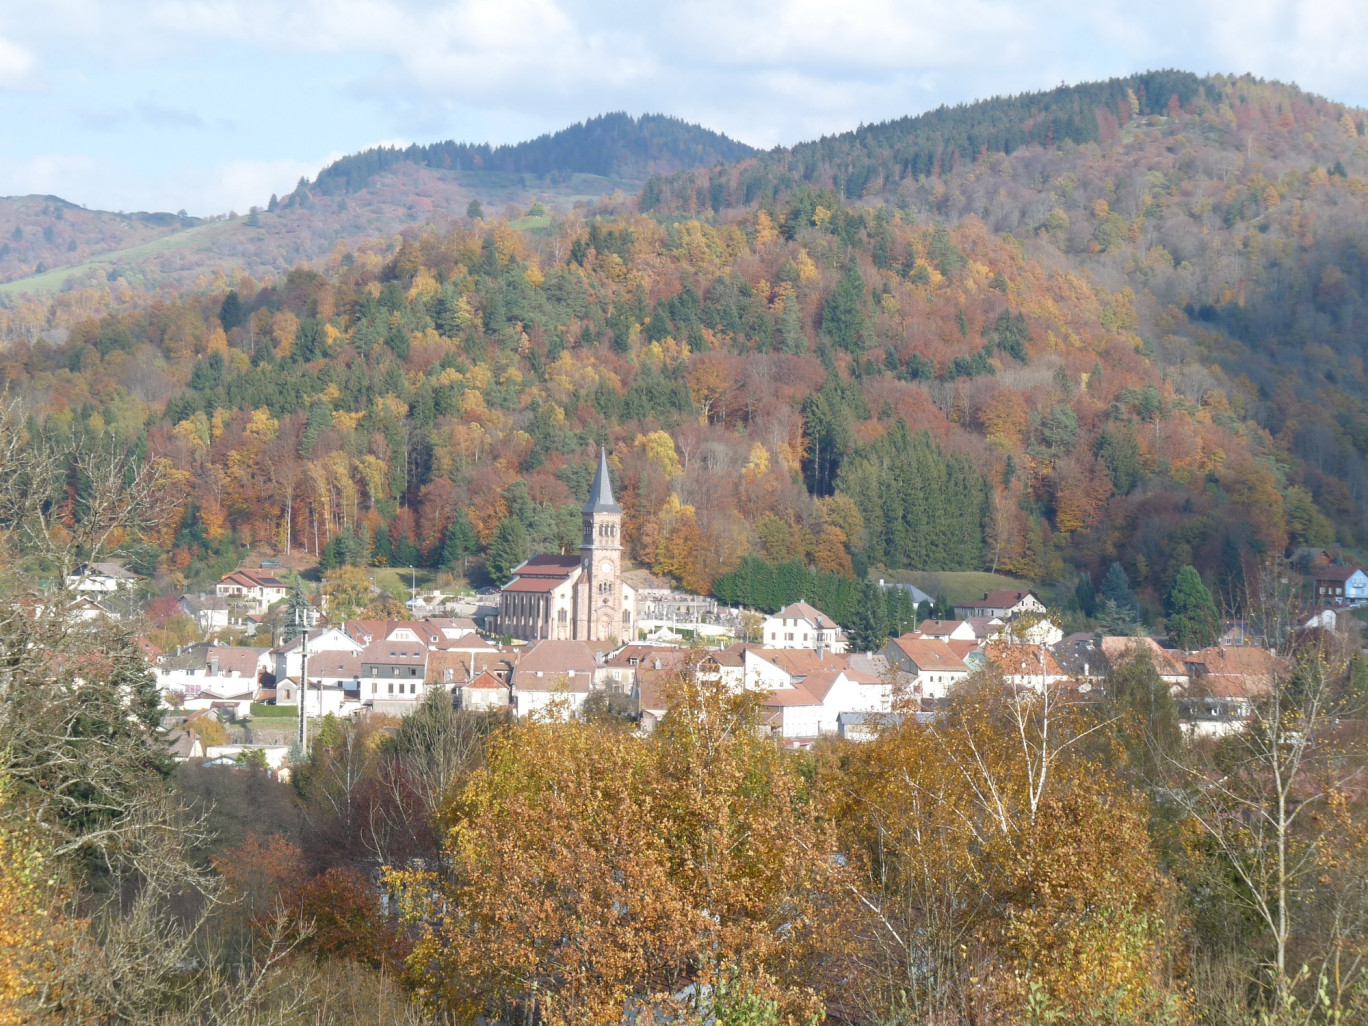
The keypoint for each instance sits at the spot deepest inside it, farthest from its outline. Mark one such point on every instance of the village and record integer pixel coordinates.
(571, 634)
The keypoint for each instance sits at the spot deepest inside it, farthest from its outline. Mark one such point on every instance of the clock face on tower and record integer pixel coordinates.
(605, 567)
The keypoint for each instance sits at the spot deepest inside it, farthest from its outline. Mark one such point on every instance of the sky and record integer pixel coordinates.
(212, 105)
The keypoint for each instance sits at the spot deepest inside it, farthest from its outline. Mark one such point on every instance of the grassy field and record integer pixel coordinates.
(957, 586)
(396, 580)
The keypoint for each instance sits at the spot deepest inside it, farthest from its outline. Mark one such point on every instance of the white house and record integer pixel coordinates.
(323, 697)
(801, 626)
(931, 666)
(1004, 603)
(484, 693)
(813, 705)
(553, 675)
(275, 754)
(250, 593)
(1341, 584)
(210, 612)
(1043, 631)
(1027, 666)
(224, 671)
(289, 656)
(947, 630)
(101, 579)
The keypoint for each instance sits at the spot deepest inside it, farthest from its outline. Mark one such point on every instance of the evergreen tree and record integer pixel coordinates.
(843, 312)
(508, 549)
(459, 542)
(1116, 587)
(902, 615)
(318, 420)
(296, 614)
(1119, 621)
(869, 629)
(231, 313)
(922, 508)
(1086, 597)
(1192, 619)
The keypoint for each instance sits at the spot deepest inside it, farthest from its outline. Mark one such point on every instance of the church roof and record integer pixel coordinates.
(601, 492)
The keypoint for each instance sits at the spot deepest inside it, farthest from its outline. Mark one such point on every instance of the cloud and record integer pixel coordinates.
(309, 76)
(119, 185)
(169, 117)
(242, 184)
(18, 67)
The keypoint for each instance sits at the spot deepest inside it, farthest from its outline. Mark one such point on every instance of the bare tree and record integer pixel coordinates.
(1270, 798)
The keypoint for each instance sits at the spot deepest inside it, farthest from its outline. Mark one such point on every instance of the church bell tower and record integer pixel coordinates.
(599, 609)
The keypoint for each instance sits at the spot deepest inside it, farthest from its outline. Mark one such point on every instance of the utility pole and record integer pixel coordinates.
(302, 618)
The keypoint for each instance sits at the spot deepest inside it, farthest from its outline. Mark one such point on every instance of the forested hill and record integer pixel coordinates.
(39, 232)
(876, 157)
(50, 246)
(1232, 211)
(1142, 348)
(613, 145)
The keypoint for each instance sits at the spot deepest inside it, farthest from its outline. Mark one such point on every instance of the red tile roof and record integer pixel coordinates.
(1335, 573)
(930, 654)
(803, 611)
(1003, 598)
(486, 681)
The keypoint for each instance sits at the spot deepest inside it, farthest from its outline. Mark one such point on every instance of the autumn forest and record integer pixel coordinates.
(1111, 329)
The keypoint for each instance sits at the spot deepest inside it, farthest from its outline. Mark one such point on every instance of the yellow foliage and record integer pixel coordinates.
(391, 404)
(473, 405)
(217, 341)
(480, 377)
(284, 327)
(507, 242)
(424, 285)
(807, 270)
(765, 232)
(758, 465)
(344, 421)
(194, 430)
(261, 426)
(659, 448)
(534, 276)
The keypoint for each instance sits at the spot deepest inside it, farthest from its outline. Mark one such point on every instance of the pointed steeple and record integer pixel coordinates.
(601, 492)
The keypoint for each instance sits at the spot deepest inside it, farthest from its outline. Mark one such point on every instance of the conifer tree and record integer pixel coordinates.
(459, 542)
(507, 550)
(869, 629)
(1192, 619)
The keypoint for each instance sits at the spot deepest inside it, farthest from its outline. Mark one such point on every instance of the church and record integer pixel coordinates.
(575, 598)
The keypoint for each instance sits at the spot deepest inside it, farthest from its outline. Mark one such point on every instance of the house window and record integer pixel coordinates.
(391, 687)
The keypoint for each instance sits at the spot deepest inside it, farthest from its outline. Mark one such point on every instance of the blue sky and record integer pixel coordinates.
(211, 105)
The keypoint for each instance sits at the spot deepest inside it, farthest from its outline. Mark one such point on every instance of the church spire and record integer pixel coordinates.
(601, 492)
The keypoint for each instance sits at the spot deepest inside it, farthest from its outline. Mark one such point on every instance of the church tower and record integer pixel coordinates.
(601, 606)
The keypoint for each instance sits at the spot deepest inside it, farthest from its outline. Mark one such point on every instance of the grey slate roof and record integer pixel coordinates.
(601, 492)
